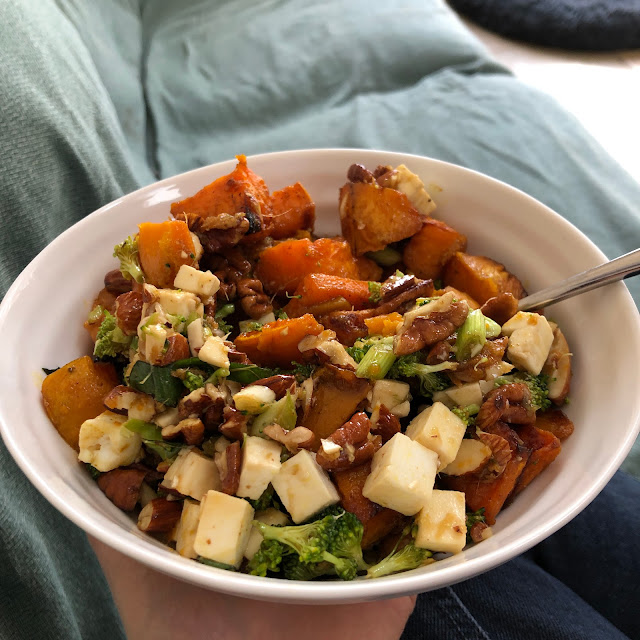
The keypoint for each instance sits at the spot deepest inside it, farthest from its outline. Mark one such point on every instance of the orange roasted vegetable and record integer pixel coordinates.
(482, 278)
(373, 217)
(75, 393)
(163, 248)
(283, 266)
(276, 343)
(291, 210)
(384, 325)
(429, 250)
(233, 193)
(317, 288)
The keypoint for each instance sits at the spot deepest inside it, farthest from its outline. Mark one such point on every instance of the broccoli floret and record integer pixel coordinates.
(472, 518)
(430, 375)
(268, 499)
(333, 538)
(110, 340)
(267, 558)
(127, 253)
(409, 557)
(538, 385)
(466, 414)
(293, 569)
(309, 541)
(192, 380)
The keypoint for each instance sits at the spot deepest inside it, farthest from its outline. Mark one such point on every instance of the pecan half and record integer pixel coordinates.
(359, 173)
(294, 440)
(190, 429)
(279, 384)
(194, 404)
(160, 515)
(387, 424)
(476, 368)
(479, 531)
(509, 403)
(129, 311)
(231, 477)
(122, 486)
(501, 307)
(115, 282)
(234, 426)
(356, 446)
(500, 454)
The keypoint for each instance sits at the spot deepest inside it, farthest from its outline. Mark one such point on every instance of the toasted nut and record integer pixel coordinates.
(298, 438)
(129, 311)
(510, 403)
(115, 282)
(231, 478)
(279, 384)
(160, 515)
(558, 367)
(122, 486)
(501, 454)
(351, 456)
(177, 349)
(480, 531)
(387, 424)
(191, 429)
(234, 426)
(195, 404)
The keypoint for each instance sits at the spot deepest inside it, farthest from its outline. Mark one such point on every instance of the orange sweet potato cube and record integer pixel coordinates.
(482, 278)
(428, 251)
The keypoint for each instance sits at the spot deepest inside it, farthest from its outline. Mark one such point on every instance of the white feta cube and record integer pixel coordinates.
(304, 487)
(442, 523)
(393, 394)
(530, 339)
(402, 475)
(215, 352)
(179, 303)
(254, 398)
(192, 474)
(202, 283)
(105, 444)
(195, 336)
(224, 528)
(260, 463)
(438, 429)
(185, 534)
(269, 516)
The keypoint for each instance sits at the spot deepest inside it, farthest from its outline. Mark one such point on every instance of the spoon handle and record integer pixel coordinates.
(612, 271)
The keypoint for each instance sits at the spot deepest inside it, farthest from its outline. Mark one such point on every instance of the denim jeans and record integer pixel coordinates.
(582, 583)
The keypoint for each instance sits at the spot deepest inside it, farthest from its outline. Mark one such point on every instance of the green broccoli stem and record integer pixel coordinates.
(377, 361)
(407, 558)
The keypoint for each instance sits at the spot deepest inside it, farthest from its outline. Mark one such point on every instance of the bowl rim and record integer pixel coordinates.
(244, 585)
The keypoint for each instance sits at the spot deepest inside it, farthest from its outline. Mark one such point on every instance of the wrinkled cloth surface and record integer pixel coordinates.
(99, 98)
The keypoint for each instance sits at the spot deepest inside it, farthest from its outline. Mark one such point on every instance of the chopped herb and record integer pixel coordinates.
(158, 382)
(281, 314)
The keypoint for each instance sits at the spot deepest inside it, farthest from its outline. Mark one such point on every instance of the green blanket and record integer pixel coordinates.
(99, 98)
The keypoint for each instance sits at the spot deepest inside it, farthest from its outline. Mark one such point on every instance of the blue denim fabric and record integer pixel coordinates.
(583, 583)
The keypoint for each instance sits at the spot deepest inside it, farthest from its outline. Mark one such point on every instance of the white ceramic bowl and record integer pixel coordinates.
(41, 325)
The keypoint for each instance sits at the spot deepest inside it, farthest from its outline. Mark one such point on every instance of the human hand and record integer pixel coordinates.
(153, 605)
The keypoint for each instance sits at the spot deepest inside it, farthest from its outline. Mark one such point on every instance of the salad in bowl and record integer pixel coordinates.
(272, 402)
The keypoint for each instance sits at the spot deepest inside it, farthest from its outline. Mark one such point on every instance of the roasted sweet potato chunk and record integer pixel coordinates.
(75, 393)
(373, 217)
(556, 422)
(428, 251)
(336, 395)
(544, 447)
(482, 278)
(291, 210)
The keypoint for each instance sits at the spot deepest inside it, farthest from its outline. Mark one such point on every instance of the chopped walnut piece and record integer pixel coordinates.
(231, 477)
(160, 515)
(234, 426)
(294, 440)
(509, 403)
(122, 486)
(194, 404)
(501, 454)
(191, 429)
(279, 384)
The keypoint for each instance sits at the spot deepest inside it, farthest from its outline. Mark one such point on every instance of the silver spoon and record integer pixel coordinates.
(623, 267)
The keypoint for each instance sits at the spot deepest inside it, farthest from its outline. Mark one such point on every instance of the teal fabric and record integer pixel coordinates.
(98, 98)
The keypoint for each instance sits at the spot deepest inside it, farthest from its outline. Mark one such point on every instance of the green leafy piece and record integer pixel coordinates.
(250, 325)
(472, 518)
(264, 501)
(538, 385)
(375, 289)
(281, 314)
(217, 565)
(166, 450)
(430, 376)
(302, 371)
(158, 382)
(246, 373)
(293, 569)
(378, 359)
(127, 253)
(95, 474)
(267, 558)
(466, 414)
(472, 336)
(386, 257)
(282, 412)
(407, 558)
(110, 341)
